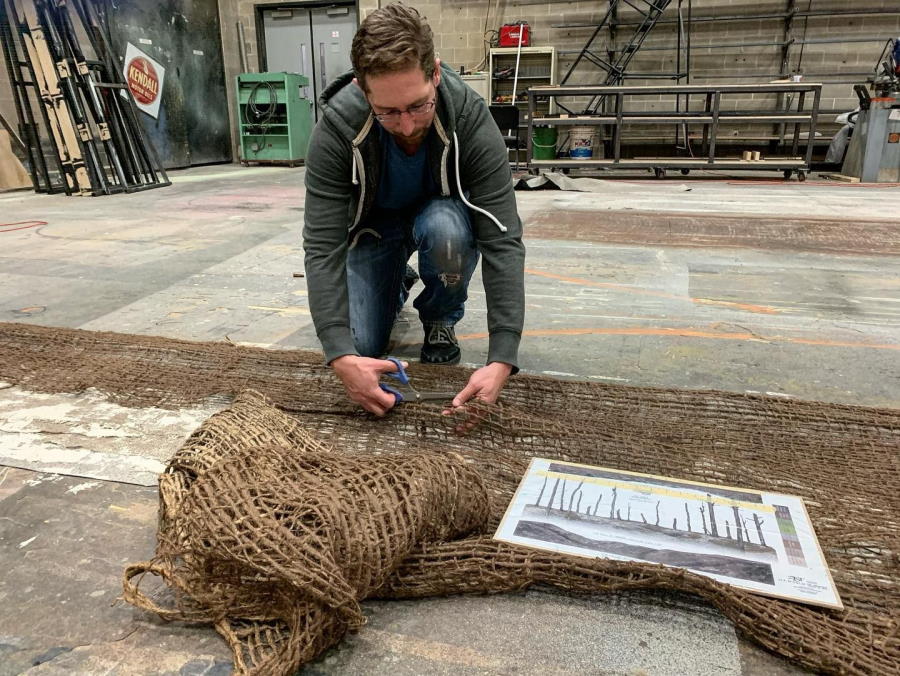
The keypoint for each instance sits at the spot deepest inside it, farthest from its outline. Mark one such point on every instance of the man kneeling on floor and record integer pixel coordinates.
(407, 158)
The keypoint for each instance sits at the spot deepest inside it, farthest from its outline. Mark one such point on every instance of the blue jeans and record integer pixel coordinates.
(441, 231)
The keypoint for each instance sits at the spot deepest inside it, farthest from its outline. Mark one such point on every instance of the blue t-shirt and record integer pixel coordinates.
(406, 180)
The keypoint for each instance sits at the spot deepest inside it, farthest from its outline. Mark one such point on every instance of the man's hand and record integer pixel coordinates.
(485, 385)
(360, 377)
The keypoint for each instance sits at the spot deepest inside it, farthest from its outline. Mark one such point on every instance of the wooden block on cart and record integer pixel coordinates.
(841, 177)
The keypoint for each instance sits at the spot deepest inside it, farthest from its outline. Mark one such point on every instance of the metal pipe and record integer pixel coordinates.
(807, 76)
(722, 45)
(776, 43)
(714, 126)
(516, 73)
(689, 31)
(742, 17)
(796, 142)
(617, 141)
(811, 141)
(743, 76)
(242, 47)
(679, 34)
(791, 9)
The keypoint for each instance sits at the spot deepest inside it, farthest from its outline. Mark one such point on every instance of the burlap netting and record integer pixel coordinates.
(285, 510)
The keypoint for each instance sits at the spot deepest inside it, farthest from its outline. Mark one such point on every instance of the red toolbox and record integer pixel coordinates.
(509, 34)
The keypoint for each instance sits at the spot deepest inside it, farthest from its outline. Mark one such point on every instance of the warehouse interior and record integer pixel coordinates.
(709, 194)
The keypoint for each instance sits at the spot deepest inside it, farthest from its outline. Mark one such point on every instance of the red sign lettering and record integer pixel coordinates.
(143, 80)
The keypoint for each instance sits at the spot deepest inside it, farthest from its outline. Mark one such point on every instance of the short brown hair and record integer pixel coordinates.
(392, 39)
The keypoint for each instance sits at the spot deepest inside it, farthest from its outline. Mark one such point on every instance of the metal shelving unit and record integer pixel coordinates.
(274, 118)
(537, 65)
(711, 118)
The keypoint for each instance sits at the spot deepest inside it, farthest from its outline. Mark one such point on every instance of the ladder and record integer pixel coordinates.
(616, 62)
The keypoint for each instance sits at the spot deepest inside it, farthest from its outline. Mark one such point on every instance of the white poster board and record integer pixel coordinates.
(761, 542)
(144, 77)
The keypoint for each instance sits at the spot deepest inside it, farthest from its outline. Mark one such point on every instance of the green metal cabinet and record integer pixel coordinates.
(274, 119)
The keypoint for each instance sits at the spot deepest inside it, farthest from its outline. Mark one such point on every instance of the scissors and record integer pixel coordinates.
(403, 389)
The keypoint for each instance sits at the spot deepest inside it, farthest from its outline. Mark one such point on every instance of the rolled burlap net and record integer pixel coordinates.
(275, 538)
(228, 541)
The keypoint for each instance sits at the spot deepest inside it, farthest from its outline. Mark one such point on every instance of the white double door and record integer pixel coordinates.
(314, 42)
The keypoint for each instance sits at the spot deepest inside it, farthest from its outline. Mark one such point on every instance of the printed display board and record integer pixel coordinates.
(761, 542)
(144, 77)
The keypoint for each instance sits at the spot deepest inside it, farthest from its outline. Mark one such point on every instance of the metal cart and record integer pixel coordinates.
(800, 103)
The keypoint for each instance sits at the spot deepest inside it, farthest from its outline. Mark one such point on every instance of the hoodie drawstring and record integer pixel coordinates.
(462, 195)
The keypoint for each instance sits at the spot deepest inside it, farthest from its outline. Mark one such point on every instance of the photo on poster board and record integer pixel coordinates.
(757, 541)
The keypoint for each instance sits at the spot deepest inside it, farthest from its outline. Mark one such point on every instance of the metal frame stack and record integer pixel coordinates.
(21, 78)
(96, 143)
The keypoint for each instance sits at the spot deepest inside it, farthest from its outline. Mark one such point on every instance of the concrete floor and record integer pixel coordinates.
(764, 286)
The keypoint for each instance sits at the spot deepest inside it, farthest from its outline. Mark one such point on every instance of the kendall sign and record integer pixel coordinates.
(144, 78)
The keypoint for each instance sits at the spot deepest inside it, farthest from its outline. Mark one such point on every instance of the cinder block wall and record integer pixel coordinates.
(459, 34)
(459, 27)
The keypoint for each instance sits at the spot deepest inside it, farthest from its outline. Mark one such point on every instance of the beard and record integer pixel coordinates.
(416, 136)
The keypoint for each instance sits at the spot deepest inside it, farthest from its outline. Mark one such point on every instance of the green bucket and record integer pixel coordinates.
(543, 143)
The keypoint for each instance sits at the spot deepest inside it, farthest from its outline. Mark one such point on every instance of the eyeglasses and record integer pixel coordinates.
(415, 111)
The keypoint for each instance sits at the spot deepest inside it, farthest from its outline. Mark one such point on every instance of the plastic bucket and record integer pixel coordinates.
(581, 142)
(543, 143)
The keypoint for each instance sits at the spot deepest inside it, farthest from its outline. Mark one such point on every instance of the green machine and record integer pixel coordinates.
(274, 118)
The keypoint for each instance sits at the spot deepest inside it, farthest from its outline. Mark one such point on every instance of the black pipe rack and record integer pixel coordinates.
(82, 136)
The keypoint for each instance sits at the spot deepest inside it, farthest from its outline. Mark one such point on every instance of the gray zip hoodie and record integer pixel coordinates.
(343, 169)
